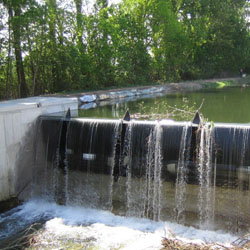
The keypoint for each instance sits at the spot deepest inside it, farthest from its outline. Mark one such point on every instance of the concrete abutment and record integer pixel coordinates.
(17, 140)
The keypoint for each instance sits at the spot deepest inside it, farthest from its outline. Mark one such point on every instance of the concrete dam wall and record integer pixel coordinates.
(17, 139)
(178, 171)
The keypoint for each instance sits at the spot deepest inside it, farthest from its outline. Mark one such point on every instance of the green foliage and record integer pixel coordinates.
(130, 43)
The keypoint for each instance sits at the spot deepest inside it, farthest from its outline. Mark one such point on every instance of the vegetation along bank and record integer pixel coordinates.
(57, 45)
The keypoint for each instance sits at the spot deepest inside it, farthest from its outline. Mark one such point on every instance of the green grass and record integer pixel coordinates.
(227, 83)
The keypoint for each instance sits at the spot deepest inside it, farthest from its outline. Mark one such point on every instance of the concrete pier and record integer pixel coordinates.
(17, 139)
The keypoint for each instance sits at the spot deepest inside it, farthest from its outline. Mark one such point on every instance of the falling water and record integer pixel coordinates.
(73, 197)
(243, 193)
(66, 173)
(143, 173)
(205, 201)
(127, 165)
(55, 191)
(181, 180)
(157, 173)
(153, 182)
(46, 177)
(134, 178)
(116, 138)
(91, 163)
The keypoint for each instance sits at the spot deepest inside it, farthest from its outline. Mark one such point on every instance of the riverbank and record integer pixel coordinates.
(164, 88)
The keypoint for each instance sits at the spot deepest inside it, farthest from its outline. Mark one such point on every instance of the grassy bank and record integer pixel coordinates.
(221, 83)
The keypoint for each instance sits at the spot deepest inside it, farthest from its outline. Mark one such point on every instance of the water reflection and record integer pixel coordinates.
(228, 105)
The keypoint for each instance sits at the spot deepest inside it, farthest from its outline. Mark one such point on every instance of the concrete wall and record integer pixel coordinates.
(17, 140)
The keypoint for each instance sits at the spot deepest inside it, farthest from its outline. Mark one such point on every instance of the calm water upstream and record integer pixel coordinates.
(228, 105)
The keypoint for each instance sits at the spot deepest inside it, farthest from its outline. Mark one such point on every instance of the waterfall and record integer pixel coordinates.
(127, 164)
(91, 163)
(143, 175)
(243, 193)
(116, 140)
(153, 185)
(182, 171)
(46, 175)
(147, 169)
(205, 196)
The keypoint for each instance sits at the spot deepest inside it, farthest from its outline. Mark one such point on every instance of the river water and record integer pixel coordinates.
(65, 226)
(227, 105)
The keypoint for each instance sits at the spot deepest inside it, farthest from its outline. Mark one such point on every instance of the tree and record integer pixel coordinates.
(216, 31)
(79, 21)
(131, 46)
(56, 49)
(15, 19)
(169, 44)
(99, 45)
(52, 20)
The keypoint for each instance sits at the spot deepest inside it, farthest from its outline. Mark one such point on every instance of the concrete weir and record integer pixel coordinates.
(187, 172)
(17, 137)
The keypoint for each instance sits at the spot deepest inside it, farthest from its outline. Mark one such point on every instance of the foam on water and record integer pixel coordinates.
(104, 228)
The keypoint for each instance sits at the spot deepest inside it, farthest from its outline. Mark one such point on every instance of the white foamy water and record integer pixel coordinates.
(101, 228)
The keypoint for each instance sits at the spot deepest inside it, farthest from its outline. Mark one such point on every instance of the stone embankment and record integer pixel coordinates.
(100, 96)
(91, 98)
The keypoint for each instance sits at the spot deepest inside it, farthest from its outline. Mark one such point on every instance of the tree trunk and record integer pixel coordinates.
(79, 22)
(23, 91)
